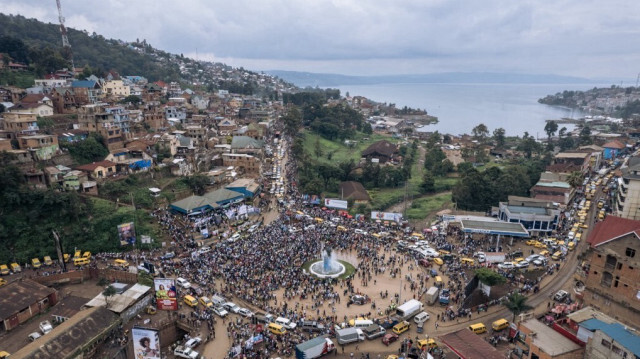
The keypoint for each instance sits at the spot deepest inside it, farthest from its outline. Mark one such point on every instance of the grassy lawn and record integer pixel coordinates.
(421, 208)
(340, 151)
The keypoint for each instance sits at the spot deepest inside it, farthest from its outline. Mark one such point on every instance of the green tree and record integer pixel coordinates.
(317, 148)
(480, 132)
(428, 184)
(585, 136)
(132, 99)
(499, 137)
(517, 304)
(109, 292)
(92, 149)
(550, 128)
(489, 277)
(197, 183)
(575, 179)
(528, 145)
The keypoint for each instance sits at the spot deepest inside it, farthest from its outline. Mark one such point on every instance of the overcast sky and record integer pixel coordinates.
(586, 38)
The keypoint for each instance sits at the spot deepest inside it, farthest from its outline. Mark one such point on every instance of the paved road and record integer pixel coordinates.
(550, 285)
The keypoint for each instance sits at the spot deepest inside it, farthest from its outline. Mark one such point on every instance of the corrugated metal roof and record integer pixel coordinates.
(617, 332)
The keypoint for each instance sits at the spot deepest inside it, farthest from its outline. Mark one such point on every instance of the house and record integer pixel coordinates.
(175, 114)
(86, 91)
(22, 300)
(610, 340)
(20, 123)
(73, 180)
(42, 146)
(197, 133)
(381, 151)
(130, 160)
(115, 89)
(39, 109)
(613, 149)
(200, 102)
(466, 344)
(612, 282)
(543, 342)
(580, 161)
(554, 191)
(226, 127)
(156, 120)
(99, 169)
(355, 191)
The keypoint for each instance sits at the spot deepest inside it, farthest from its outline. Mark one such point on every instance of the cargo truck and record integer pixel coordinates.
(409, 309)
(314, 348)
(349, 335)
(432, 295)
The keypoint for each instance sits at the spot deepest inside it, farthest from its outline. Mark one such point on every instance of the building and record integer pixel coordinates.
(355, 191)
(21, 300)
(99, 169)
(613, 149)
(246, 144)
(246, 186)
(115, 88)
(112, 122)
(78, 337)
(42, 146)
(381, 151)
(612, 283)
(38, 109)
(534, 214)
(627, 199)
(250, 165)
(468, 345)
(130, 160)
(554, 191)
(20, 123)
(543, 342)
(610, 340)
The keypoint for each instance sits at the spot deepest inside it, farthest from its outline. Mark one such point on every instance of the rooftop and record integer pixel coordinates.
(527, 210)
(20, 294)
(611, 228)
(617, 332)
(120, 302)
(469, 345)
(549, 340)
(489, 227)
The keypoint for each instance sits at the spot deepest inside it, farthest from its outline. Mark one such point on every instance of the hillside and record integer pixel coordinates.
(139, 58)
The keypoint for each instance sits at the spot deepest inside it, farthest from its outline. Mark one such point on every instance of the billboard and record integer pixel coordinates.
(127, 234)
(146, 343)
(386, 216)
(166, 295)
(335, 203)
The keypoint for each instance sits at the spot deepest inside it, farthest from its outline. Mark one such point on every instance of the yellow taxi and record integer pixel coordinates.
(544, 253)
(540, 245)
(518, 260)
(438, 261)
(571, 246)
(531, 242)
(584, 226)
(401, 327)
(342, 229)
(4, 270)
(425, 344)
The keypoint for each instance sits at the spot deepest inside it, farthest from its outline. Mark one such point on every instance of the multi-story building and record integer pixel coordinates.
(17, 123)
(250, 165)
(543, 342)
(612, 282)
(112, 122)
(43, 146)
(534, 214)
(627, 199)
(116, 88)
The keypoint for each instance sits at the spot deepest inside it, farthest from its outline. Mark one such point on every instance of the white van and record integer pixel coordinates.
(362, 323)
(421, 317)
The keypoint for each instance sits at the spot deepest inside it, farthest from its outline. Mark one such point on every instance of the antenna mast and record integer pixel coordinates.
(65, 39)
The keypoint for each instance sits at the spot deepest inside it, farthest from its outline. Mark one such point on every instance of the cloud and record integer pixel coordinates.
(572, 37)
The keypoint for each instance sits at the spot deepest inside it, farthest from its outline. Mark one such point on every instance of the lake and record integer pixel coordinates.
(461, 107)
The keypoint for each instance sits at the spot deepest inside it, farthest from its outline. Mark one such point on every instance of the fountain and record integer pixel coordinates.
(328, 266)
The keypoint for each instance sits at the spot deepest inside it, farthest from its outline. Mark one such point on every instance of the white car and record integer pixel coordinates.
(245, 312)
(183, 283)
(335, 219)
(45, 327)
(221, 312)
(522, 264)
(234, 238)
(193, 342)
(231, 307)
(184, 352)
(286, 323)
(360, 231)
(205, 249)
(561, 295)
(33, 336)
(253, 228)
(506, 265)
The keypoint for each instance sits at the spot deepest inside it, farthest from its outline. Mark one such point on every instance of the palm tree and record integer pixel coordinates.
(575, 179)
(517, 303)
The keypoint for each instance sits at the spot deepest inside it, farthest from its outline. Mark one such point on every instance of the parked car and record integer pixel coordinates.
(506, 265)
(522, 264)
(221, 312)
(193, 342)
(311, 326)
(245, 312)
(33, 336)
(231, 307)
(184, 352)
(561, 296)
(389, 338)
(183, 283)
(45, 327)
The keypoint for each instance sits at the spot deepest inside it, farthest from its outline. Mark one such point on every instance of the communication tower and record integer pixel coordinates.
(65, 39)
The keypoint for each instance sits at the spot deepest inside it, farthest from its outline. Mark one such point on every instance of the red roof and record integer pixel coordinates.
(92, 166)
(466, 344)
(614, 144)
(612, 227)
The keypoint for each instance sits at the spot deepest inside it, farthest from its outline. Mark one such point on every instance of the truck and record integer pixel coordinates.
(432, 295)
(349, 335)
(495, 257)
(409, 309)
(374, 331)
(314, 348)
(444, 297)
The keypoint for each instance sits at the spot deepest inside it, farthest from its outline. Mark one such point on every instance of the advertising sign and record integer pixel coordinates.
(166, 295)
(127, 234)
(146, 343)
(335, 203)
(386, 216)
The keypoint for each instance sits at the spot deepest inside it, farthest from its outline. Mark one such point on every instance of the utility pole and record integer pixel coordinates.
(56, 240)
